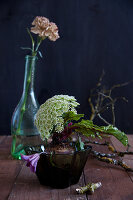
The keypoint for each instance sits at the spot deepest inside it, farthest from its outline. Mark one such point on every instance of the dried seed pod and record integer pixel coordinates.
(90, 187)
(111, 148)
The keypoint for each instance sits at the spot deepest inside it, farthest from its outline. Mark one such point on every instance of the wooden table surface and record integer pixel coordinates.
(18, 183)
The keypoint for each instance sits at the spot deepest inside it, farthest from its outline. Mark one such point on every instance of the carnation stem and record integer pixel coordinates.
(23, 108)
(38, 43)
(34, 52)
(32, 40)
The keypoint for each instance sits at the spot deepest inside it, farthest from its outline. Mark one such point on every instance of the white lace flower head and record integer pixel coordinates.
(49, 117)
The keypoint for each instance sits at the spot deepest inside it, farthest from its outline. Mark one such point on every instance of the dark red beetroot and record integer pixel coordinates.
(60, 170)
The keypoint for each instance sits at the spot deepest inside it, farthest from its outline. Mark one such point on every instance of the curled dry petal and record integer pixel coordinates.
(31, 160)
(52, 32)
(44, 28)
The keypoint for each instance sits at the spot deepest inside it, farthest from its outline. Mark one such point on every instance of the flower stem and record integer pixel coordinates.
(32, 40)
(23, 108)
(34, 52)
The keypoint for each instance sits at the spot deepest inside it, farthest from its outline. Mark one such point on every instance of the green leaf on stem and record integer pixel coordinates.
(26, 48)
(40, 54)
(32, 40)
(71, 116)
(87, 128)
(79, 144)
(121, 136)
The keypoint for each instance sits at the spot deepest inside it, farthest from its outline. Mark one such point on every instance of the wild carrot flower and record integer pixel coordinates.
(49, 117)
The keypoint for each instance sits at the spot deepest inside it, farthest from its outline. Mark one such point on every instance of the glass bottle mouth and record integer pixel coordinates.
(31, 57)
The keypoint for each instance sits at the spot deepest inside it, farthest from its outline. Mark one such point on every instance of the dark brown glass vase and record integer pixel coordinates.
(61, 170)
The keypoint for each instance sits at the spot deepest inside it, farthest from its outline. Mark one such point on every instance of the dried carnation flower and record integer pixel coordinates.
(44, 28)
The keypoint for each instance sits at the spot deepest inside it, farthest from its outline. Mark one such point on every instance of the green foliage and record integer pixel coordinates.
(40, 54)
(26, 48)
(57, 113)
(72, 116)
(79, 144)
(87, 128)
(32, 40)
(121, 136)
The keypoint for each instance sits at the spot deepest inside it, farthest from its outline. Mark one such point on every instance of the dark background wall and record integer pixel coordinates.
(94, 35)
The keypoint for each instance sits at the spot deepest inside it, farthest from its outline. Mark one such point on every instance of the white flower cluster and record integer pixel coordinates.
(49, 116)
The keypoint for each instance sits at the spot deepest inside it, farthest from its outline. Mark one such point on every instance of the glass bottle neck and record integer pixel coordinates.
(29, 74)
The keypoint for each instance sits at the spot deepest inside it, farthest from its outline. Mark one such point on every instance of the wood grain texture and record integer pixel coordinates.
(119, 147)
(28, 187)
(9, 168)
(116, 183)
(17, 182)
(128, 159)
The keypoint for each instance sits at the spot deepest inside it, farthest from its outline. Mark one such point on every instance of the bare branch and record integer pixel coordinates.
(119, 85)
(113, 161)
(101, 78)
(104, 120)
(101, 98)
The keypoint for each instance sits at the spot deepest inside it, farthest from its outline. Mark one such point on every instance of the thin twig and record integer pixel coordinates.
(104, 120)
(108, 155)
(96, 142)
(111, 148)
(115, 162)
(119, 85)
(102, 100)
